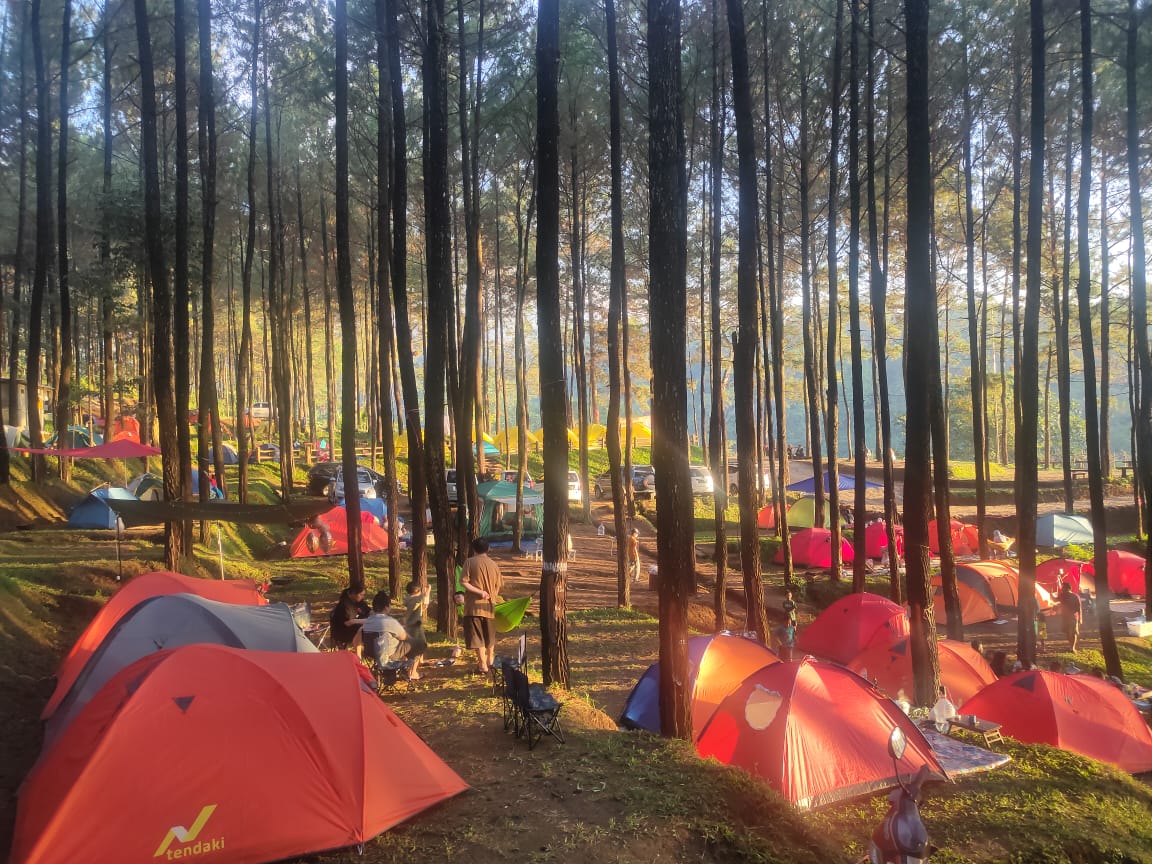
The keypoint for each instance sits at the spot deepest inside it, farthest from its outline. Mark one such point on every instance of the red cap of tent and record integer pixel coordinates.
(155, 767)
(815, 731)
(962, 670)
(1080, 574)
(1074, 712)
(242, 591)
(852, 624)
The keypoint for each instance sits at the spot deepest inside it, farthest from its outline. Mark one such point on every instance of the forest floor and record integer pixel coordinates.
(603, 796)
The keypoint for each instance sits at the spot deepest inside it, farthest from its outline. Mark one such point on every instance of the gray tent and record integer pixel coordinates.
(170, 621)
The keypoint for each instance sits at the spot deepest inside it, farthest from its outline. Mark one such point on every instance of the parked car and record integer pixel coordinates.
(734, 479)
(643, 483)
(511, 475)
(321, 475)
(575, 487)
(701, 481)
(364, 482)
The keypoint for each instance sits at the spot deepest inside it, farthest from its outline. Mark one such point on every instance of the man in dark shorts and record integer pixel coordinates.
(1070, 610)
(482, 582)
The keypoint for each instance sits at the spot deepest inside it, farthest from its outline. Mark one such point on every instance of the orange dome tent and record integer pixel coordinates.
(717, 665)
(985, 586)
(962, 670)
(1073, 712)
(852, 624)
(154, 767)
(328, 535)
(815, 731)
(130, 594)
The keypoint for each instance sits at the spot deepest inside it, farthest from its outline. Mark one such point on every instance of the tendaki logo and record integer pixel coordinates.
(185, 836)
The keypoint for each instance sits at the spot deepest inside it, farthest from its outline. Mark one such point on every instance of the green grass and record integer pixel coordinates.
(967, 471)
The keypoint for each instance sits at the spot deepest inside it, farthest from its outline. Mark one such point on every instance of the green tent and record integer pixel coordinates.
(498, 511)
(802, 514)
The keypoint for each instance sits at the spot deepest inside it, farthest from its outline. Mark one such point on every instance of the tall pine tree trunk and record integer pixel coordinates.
(181, 351)
(858, 420)
(920, 306)
(717, 444)
(244, 363)
(63, 411)
(832, 348)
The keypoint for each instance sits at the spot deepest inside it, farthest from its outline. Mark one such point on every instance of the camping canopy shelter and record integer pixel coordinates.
(815, 731)
(94, 512)
(962, 670)
(853, 624)
(327, 534)
(170, 621)
(498, 511)
(1061, 529)
(239, 591)
(154, 767)
(812, 547)
(844, 482)
(1125, 573)
(717, 665)
(1073, 712)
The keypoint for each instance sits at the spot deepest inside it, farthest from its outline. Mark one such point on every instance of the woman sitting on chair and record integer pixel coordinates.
(347, 616)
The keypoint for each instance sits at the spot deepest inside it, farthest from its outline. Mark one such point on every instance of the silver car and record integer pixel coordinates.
(364, 481)
(701, 481)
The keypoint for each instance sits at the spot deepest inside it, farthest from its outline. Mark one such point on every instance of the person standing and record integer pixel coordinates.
(632, 554)
(415, 603)
(1070, 610)
(482, 582)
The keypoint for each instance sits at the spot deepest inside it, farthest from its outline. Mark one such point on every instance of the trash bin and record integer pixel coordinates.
(653, 578)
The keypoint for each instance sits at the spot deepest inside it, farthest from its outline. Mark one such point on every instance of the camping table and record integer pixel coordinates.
(990, 730)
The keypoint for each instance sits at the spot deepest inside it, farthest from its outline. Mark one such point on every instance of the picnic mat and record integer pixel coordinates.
(958, 758)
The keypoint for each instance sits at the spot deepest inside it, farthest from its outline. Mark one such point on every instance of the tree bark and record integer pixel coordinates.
(717, 438)
(181, 349)
(667, 292)
(19, 266)
(554, 570)
(1028, 379)
(920, 305)
(62, 413)
(747, 300)
(174, 550)
(615, 302)
(832, 348)
(347, 301)
(858, 420)
(244, 363)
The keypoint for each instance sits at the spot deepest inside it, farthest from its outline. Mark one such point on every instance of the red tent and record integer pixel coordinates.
(1074, 712)
(225, 754)
(1125, 573)
(965, 538)
(852, 624)
(876, 539)
(126, 428)
(240, 591)
(766, 518)
(327, 534)
(1081, 574)
(812, 547)
(962, 670)
(815, 731)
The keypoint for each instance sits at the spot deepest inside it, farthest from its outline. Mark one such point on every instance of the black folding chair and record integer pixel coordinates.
(387, 673)
(537, 709)
(520, 661)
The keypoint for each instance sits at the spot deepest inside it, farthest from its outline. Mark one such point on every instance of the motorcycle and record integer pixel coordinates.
(901, 838)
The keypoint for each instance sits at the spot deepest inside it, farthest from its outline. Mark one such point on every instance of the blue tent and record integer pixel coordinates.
(1061, 529)
(844, 482)
(230, 455)
(94, 512)
(376, 506)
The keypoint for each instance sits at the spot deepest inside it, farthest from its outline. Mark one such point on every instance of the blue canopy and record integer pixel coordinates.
(843, 482)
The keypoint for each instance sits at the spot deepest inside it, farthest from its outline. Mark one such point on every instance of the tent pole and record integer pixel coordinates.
(119, 560)
(220, 548)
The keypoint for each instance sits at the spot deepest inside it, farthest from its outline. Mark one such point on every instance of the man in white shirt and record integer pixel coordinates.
(386, 633)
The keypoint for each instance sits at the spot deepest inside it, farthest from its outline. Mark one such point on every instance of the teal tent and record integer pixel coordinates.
(802, 514)
(94, 511)
(498, 512)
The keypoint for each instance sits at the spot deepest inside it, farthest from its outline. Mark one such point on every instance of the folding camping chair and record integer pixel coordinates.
(317, 633)
(520, 661)
(536, 710)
